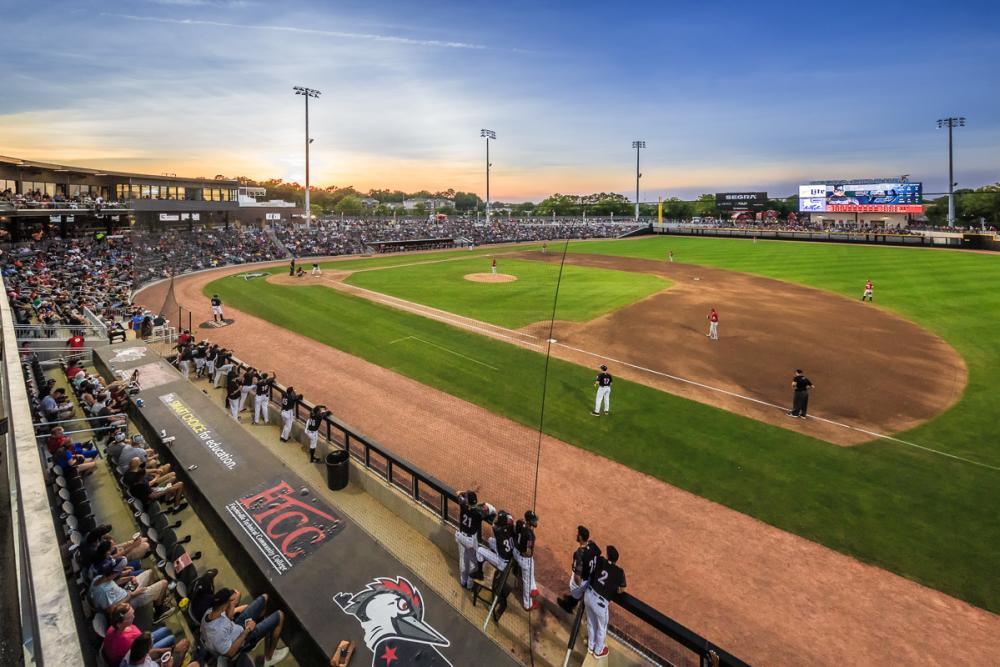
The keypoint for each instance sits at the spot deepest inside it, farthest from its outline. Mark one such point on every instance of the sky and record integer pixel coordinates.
(728, 96)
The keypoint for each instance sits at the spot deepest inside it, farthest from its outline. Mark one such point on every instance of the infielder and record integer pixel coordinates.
(606, 582)
(603, 384)
(524, 554)
(470, 523)
(288, 402)
(713, 325)
(584, 560)
(868, 294)
(262, 399)
(216, 308)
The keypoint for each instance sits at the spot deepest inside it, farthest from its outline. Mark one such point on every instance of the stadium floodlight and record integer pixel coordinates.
(488, 134)
(951, 123)
(637, 145)
(306, 94)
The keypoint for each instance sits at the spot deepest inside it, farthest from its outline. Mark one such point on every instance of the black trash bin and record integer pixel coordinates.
(337, 467)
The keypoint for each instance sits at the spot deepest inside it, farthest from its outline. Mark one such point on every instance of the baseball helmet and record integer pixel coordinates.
(531, 518)
(603, 367)
(504, 518)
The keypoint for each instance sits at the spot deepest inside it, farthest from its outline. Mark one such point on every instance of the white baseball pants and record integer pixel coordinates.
(467, 545)
(713, 330)
(221, 372)
(597, 621)
(577, 591)
(234, 408)
(244, 392)
(185, 367)
(490, 555)
(313, 439)
(603, 394)
(287, 418)
(527, 565)
(260, 408)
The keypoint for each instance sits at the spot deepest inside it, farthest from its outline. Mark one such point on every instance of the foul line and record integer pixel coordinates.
(442, 347)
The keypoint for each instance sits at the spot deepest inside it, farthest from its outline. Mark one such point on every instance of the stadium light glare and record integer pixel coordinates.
(637, 145)
(951, 123)
(306, 93)
(488, 134)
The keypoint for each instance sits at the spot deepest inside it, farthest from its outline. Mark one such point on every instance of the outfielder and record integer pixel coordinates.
(603, 384)
(470, 523)
(713, 325)
(868, 294)
(288, 402)
(524, 554)
(584, 560)
(606, 582)
(216, 308)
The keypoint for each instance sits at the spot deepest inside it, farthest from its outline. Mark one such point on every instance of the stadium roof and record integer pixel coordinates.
(35, 164)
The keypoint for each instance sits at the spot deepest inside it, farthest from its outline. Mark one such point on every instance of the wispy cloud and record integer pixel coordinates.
(231, 4)
(374, 37)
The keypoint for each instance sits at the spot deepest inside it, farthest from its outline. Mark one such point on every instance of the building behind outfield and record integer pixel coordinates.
(64, 200)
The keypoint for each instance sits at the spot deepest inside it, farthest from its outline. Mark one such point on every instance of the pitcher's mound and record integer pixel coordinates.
(490, 277)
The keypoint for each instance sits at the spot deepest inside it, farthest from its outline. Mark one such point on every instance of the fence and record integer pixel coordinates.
(442, 500)
(880, 238)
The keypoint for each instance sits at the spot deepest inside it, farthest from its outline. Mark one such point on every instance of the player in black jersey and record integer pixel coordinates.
(524, 554)
(603, 383)
(501, 544)
(316, 417)
(606, 582)
(289, 400)
(248, 381)
(470, 524)
(262, 399)
(584, 559)
(216, 308)
(233, 395)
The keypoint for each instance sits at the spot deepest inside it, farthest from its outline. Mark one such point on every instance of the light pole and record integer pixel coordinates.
(488, 134)
(951, 123)
(307, 93)
(637, 145)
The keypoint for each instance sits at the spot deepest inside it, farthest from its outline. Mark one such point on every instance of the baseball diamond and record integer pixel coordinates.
(891, 379)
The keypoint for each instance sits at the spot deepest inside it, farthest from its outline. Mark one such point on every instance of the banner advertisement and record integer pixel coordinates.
(898, 197)
(741, 201)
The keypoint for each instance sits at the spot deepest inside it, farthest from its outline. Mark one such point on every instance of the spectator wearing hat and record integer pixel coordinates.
(229, 632)
(142, 592)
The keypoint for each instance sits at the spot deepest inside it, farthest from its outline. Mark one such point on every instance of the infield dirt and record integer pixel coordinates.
(771, 597)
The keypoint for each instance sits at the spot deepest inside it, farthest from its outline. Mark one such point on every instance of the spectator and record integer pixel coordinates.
(75, 343)
(228, 630)
(142, 592)
(146, 486)
(135, 449)
(66, 458)
(57, 439)
(143, 653)
(55, 407)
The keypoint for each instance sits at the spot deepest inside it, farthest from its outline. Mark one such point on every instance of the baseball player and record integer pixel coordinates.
(210, 356)
(524, 554)
(288, 402)
(223, 365)
(606, 582)
(670, 256)
(603, 384)
(249, 378)
(216, 308)
(800, 397)
(198, 355)
(262, 399)
(713, 325)
(470, 523)
(233, 395)
(869, 292)
(291, 267)
(493, 266)
(584, 560)
(316, 270)
(501, 545)
(184, 357)
(316, 416)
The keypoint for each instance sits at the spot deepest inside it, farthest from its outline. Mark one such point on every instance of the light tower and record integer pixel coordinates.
(637, 145)
(488, 134)
(307, 93)
(951, 124)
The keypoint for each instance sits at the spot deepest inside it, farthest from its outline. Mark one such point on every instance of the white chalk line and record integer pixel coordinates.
(446, 349)
(452, 318)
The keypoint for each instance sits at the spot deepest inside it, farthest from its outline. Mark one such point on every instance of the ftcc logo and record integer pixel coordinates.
(391, 612)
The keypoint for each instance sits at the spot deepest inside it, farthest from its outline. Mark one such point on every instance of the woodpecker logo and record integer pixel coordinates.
(391, 612)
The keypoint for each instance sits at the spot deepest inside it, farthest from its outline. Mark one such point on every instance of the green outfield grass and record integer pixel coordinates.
(586, 293)
(927, 517)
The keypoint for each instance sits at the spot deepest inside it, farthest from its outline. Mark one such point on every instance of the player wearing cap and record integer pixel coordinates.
(713, 324)
(501, 544)
(603, 384)
(470, 523)
(262, 398)
(524, 554)
(289, 400)
(584, 560)
(216, 308)
(869, 292)
(606, 582)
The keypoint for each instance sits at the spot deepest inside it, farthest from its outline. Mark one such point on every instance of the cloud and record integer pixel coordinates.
(374, 37)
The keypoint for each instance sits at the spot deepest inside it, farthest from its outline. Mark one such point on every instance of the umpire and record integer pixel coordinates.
(800, 396)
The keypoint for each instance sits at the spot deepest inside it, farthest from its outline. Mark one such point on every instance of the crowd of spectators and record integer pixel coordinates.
(782, 225)
(159, 254)
(39, 199)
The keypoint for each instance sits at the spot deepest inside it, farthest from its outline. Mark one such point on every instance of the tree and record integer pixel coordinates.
(676, 209)
(705, 206)
(560, 205)
(350, 205)
(467, 201)
(420, 210)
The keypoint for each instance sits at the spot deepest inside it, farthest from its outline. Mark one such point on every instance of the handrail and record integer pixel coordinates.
(43, 590)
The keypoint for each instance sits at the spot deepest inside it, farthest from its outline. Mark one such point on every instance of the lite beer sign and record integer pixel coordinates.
(285, 526)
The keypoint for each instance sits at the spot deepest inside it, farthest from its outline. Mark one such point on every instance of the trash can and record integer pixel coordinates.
(337, 467)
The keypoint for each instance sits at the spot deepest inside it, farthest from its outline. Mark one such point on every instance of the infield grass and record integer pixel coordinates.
(927, 517)
(586, 293)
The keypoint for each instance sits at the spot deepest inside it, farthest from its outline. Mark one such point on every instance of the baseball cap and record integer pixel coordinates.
(603, 367)
(138, 439)
(107, 567)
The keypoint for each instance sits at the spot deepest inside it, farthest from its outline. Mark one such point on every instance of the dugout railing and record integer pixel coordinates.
(439, 498)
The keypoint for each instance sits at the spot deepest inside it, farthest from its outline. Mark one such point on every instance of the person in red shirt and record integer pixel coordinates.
(75, 342)
(122, 632)
(185, 338)
(713, 325)
(57, 439)
(868, 293)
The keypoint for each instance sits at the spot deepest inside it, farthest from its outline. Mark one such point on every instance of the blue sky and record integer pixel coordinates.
(727, 96)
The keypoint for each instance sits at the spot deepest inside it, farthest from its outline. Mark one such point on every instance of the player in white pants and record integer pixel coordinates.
(249, 377)
(607, 581)
(470, 523)
(316, 270)
(713, 324)
(316, 416)
(289, 399)
(524, 554)
(603, 383)
(233, 400)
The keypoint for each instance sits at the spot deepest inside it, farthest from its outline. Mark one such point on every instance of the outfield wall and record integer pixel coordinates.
(928, 240)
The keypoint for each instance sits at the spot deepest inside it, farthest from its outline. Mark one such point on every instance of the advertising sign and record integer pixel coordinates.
(741, 201)
(861, 198)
